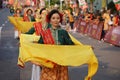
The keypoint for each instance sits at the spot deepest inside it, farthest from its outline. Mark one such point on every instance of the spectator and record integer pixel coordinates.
(71, 18)
(107, 21)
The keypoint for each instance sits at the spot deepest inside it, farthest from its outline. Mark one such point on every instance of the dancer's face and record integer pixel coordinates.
(55, 20)
(43, 14)
(29, 12)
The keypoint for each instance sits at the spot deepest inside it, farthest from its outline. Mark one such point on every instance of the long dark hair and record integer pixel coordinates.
(29, 10)
(53, 12)
(42, 10)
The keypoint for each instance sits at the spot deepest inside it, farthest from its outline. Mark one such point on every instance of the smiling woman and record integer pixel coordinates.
(55, 36)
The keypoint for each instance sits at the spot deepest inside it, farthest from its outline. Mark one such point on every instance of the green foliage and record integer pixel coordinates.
(53, 2)
(46, 3)
(111, 6)
(92, 1)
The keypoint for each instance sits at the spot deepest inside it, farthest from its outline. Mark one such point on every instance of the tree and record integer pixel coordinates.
(53, 2)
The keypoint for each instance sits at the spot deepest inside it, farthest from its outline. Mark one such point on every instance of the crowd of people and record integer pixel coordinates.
(108, 17)
(48, 24)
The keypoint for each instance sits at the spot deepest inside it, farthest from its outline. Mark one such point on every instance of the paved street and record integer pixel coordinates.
(108, 56)
(8, 49)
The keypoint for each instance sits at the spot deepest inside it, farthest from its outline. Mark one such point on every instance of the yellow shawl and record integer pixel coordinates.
(20, 24)
(48, 55)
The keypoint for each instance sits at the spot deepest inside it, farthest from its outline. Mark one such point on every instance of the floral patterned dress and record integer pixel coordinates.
(58, 37)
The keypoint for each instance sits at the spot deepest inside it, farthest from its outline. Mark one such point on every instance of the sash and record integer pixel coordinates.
(15, 15)
(25, 18)
(46, 34)
(38, 28)
(47, 55)
(47, 37)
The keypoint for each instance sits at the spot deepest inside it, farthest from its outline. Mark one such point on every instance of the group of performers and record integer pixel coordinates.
(51, 33)
(47, 26)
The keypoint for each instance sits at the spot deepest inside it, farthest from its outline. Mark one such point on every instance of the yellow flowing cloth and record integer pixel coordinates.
(48, 55)
(20, 24)
(25, 26)
(13, 20)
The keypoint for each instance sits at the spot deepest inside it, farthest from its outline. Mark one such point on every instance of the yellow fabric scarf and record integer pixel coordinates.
(20, 24)
(13, 20)
(49, 55)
